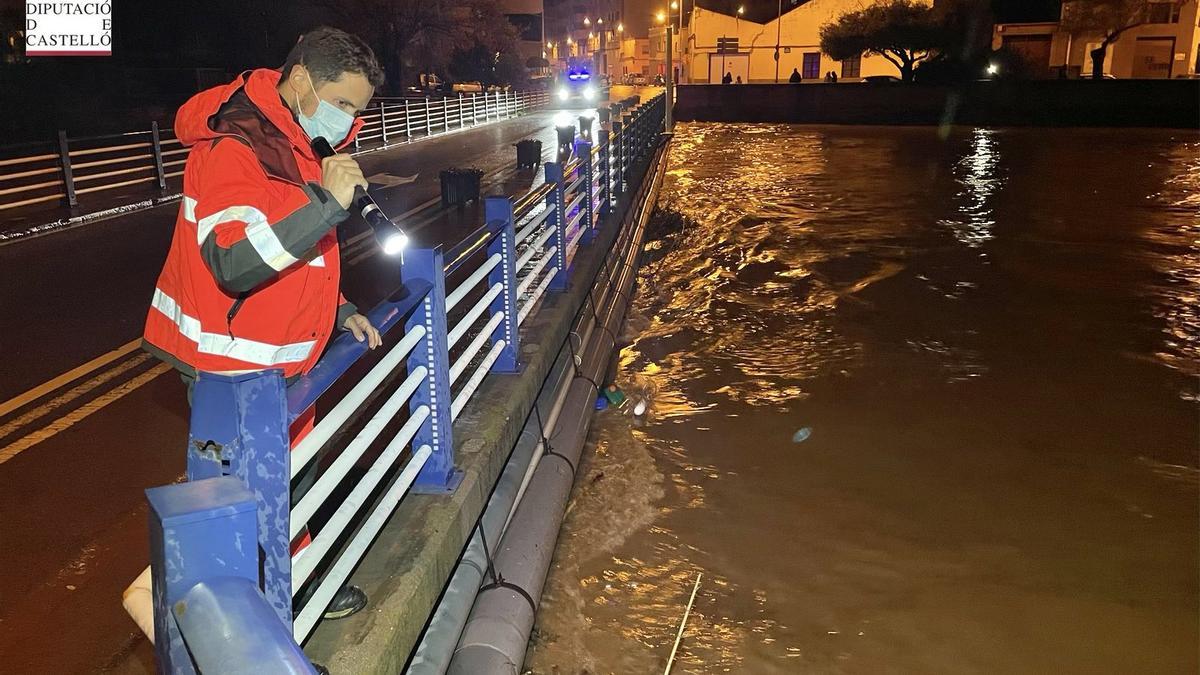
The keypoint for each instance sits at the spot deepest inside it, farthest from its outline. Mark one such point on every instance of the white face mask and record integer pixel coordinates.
(328, 120)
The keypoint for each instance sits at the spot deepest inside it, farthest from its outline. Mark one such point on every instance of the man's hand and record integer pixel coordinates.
(361, 328)
(340, 174)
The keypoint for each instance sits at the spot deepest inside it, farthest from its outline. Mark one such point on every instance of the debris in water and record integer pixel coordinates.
(639, 408)
(601, 402)
(614, 395)
(802, 435)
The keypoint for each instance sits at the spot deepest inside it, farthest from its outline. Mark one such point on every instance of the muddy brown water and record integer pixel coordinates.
(992, 338)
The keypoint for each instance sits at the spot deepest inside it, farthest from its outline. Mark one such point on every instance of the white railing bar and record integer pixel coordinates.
(537, 294)
(537, 219)
(575, 183)
(459, 293)
(469, 318)
(308, 617)
(476, 344)
(303, 511)
(534, 248)
(537, 269)
(307, 448)
(574, 220)
(305, 561)
(575, 239)
(468, 390)
(573, 203)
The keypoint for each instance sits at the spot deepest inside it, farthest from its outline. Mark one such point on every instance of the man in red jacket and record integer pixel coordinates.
(251, 279)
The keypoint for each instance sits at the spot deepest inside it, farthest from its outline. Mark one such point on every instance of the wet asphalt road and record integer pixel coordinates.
(71, 495)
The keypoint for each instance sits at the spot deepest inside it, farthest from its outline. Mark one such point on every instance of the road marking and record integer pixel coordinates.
(79, 414)
(73, 374)
(72, 394)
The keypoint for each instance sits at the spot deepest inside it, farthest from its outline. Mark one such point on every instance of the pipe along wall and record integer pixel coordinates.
(485, 630)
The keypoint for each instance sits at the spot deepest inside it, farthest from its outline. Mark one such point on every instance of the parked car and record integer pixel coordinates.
(635, 79)
(881, 79)
(468, 87)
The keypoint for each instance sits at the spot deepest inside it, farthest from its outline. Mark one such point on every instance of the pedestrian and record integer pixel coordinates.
(831, 77)
(795, 78)
(728, 78)
(739, 79)
(251, 280)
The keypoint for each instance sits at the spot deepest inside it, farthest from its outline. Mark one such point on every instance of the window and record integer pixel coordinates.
(852, 67)
(811, 69)
(1162, 12)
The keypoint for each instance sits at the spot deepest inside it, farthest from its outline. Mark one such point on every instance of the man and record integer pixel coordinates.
(795, 78)
(251, 279)
(727, 78)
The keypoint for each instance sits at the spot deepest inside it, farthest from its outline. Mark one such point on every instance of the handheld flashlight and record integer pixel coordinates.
(389, 235)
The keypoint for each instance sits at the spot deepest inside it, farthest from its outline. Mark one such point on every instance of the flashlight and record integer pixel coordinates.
(389, 235)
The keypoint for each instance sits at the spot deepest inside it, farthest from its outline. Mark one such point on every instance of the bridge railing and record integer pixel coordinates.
(71, 169)
(315, 505)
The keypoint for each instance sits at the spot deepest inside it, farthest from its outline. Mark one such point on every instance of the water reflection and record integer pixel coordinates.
(978, 172)
(997, 359)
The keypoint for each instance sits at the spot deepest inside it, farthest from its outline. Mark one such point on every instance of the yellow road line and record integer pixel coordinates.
(79, 414)
(73, 374)
(72, 394)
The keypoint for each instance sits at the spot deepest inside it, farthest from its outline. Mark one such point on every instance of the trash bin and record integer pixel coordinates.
(529, 153)
(459, 186)
(585, 127)
(566, 136)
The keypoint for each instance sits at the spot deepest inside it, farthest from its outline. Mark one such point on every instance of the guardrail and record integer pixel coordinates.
(70, 168)
(456, 319)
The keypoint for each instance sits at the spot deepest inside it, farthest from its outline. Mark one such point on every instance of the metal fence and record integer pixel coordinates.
(458, 320)
(69, 169)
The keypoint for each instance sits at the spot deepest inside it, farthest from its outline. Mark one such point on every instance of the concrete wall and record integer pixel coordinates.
(1146, 103)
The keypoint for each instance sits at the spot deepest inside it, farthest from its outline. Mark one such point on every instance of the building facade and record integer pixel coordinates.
(715, 43)
(1166, 44)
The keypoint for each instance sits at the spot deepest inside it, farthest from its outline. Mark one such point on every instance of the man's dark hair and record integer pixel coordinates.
(328, 52)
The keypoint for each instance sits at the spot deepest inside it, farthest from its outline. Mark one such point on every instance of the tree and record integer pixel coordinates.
(901, 31)
(421, 34)
(1110, 18)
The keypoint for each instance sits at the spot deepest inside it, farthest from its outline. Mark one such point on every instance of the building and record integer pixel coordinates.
(528, 16)
(714, 43)
(1166, 44)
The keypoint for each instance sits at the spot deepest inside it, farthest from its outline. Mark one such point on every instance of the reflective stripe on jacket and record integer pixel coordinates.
(251, 277)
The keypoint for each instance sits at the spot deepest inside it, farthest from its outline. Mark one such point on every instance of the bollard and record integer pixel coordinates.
(554, 175)
(438, 476)
(239, 427)
(498, 213)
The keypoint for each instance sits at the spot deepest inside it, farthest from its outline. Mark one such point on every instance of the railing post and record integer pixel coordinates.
(462, 118)
(428, 118)
(438, 476)
(407, 121)
(196, 532)
(239, 426)
(583, 150)
(605, 172)
(474, 111)
(64, 158)
(498, 213)
(554, 175)
(618, 141)
(156, 151)
(383, 121)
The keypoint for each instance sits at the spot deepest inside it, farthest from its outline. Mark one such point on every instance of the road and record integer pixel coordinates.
(88, 421)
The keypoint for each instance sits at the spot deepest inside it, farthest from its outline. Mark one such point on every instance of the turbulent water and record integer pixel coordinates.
(919, 403)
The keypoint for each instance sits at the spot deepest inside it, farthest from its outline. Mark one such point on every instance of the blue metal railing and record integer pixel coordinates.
(242, 463)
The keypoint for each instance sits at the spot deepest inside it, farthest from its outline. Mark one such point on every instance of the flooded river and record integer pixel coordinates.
(919, 403)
